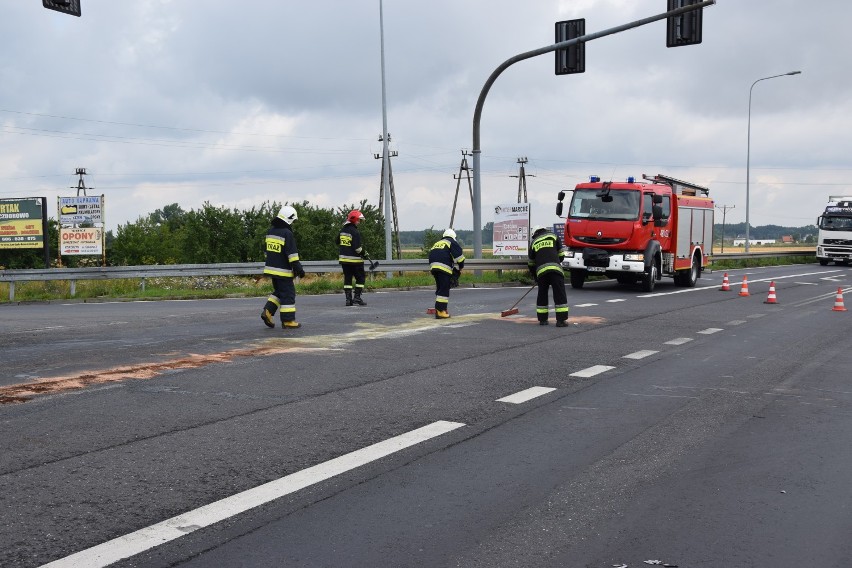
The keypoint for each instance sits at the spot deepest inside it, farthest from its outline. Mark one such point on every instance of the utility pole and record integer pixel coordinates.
(387, 180)
(522, 180)
(463, 169)
(724, 210)
(81, 185)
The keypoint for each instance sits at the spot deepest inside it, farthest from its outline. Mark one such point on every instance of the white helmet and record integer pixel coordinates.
(536, 229)
(288, 214)
(449, 233)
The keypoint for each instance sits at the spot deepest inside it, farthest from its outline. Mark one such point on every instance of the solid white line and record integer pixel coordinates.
(592, 371)
(525, 395)
(679, 341)
(176, 527)
(710, 330)
(640, 354)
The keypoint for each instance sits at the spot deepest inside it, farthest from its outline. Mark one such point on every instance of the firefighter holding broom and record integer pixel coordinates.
(545, 265)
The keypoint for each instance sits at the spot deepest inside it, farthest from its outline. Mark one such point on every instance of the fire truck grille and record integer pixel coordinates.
(842, 242)
(596, 241)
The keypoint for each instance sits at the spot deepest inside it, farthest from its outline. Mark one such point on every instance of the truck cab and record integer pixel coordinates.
(834, 242)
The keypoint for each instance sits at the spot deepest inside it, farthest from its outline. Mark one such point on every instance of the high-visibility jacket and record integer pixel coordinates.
(444, 254)
(545, 253)
(350, 249)
(282, 255)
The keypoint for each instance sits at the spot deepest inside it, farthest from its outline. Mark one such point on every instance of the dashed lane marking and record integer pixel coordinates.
(679, 341)
(592, 371)
(176, 527)
(736, 322)
(640, 354)
(710, 331)
(525, 395)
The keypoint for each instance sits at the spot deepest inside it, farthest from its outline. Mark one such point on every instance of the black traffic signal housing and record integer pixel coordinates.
(571, 59)
(684, 29)
(65, 6)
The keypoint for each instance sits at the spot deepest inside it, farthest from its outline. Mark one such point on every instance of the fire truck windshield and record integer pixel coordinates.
(585, 204)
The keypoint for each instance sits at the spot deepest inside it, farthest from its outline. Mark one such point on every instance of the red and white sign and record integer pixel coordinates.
(81, 241)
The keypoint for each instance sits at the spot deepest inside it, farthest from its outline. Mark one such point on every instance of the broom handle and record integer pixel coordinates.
(522, 297)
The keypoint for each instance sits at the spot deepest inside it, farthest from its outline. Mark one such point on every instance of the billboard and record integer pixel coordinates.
(77, 240)
(22, 223)
(81, 209)
(512, 229)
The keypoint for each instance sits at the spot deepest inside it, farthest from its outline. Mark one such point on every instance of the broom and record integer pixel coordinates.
(513, 309)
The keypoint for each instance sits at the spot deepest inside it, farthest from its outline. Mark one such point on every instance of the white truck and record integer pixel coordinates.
(834, 242)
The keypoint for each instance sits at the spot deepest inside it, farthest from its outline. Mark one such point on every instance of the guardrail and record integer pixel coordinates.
(72, 275)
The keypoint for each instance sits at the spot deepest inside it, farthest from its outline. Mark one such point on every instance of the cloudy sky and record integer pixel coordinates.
(238, 102)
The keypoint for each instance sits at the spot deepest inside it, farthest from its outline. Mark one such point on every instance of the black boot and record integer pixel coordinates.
(348, 293)
(357, 300)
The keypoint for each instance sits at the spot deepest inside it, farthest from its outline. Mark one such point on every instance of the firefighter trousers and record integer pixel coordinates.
(551, 280)
(442, 289)
(283, 297)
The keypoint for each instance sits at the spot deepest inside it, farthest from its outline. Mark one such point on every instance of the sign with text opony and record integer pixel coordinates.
(81, 209)
(512, 229)
(76, 241)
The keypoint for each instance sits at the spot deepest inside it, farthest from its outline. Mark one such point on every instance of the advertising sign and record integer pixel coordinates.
(512, 229)
(80, 241)
(21, 223)
(81, 209)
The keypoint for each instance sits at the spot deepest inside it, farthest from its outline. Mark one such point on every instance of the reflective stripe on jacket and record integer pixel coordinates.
(282, 255)
(444, 253)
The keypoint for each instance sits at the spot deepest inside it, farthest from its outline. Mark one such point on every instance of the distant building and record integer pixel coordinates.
(787, 239)
(740, 241)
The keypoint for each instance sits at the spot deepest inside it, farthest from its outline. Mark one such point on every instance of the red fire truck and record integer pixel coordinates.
(638, 232)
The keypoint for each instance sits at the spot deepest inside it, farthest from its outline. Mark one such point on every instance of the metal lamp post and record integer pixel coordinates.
(748, 149)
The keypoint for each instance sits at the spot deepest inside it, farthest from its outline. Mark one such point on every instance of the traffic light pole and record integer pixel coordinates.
(477, 114)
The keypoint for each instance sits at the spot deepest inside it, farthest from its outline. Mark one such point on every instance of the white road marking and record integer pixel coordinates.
(640, 354)
(616, 300)
(526, 395)
(592, 371)
(679, 341)
(736, 322)
(710, 331)
(584, 305)
(176, 527)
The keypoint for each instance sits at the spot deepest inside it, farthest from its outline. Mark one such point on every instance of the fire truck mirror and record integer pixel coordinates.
(657, 198)
(560, 196)
(559, 209)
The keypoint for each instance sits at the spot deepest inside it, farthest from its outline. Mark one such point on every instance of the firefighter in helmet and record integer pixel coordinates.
(545, 265)
(282, 264)
(351, 257)
(446, 261)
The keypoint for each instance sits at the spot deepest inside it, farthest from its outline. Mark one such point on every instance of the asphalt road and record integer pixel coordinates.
(690, 426)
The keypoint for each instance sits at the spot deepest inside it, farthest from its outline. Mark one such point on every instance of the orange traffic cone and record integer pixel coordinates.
(771, 299)
(838, 302)
(744, 290)
(726, 286)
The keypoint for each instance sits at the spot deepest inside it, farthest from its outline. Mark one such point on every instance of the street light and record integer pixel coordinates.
(748, 147)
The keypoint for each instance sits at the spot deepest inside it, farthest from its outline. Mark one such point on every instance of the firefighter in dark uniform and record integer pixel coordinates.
(351, 257)
(282, 264)
(545, 265)
(446, 261)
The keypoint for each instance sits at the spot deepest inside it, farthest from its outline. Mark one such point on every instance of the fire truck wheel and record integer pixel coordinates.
(649, 279)
(578, 278)
(823, 262)
(688, 278)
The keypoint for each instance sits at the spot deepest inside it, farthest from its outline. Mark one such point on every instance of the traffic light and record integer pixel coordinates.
(571, 59)
(65, 6)
(684, 29)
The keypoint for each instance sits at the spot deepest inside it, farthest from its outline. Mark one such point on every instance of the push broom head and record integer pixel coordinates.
(510, 312)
